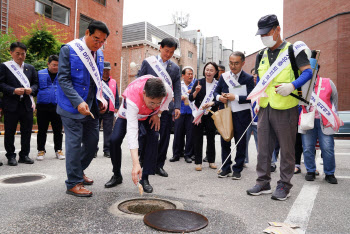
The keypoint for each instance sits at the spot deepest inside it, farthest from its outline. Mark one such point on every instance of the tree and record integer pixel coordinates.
(5, 42)
(42, 41)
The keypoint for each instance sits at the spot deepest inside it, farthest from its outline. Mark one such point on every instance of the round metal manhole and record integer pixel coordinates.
(175, 220)
(20, 179)
(144, 206)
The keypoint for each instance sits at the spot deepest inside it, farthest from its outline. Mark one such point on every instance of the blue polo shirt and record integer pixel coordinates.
(186, 109)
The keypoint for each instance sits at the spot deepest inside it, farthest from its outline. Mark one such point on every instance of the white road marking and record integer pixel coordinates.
(301, 210)
(343, 177)
(337, 154)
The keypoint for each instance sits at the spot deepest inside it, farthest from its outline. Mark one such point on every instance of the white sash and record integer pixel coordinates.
(230, 80)
(184, 92)
(159, 70)
(21, 77)
(281, 62)
(108, 92)
(86, 57)
(208, 98)
(122, 110)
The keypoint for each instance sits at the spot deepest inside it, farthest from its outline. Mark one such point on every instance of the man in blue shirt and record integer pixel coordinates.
(46, 109)
(183, 125)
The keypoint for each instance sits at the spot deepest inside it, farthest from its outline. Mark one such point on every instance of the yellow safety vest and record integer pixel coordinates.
(275, 100)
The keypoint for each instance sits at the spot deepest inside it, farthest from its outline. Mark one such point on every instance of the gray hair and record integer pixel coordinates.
(239, 54)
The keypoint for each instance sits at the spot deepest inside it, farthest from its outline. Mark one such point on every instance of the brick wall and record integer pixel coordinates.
(343, 53)
(300, 14)
(22, 12)
(187, 46)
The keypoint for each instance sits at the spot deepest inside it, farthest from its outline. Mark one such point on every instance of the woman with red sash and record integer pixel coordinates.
(324, 130)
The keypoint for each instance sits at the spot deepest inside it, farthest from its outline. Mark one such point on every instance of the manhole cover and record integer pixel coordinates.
(175, 220)
(144, 206)
(20, 179)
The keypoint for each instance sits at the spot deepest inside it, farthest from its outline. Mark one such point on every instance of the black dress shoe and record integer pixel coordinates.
(193, 157)
(205, 159)
(12, 162)
(114, 181)
(1, 164)
(107, 154)
(188, 159)
(146, 186)
(160, 171)
(26, 160)
(174, 159)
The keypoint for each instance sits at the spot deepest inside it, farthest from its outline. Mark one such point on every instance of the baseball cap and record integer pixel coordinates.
(266, 23)
(107, 65)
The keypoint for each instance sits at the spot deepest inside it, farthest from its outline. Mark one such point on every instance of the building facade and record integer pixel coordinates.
(141, 40)
(73, 16)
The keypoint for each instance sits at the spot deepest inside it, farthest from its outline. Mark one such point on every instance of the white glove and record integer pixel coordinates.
(285, 89)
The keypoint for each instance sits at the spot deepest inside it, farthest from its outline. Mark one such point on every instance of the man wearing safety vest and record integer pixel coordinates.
(108, 116)
(80, 99)
(278, 114)
(46, 109)
(143, 98)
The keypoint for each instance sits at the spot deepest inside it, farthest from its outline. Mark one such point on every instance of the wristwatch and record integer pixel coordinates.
(159, 115)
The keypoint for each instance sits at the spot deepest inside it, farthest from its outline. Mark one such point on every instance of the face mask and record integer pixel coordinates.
(268, 41)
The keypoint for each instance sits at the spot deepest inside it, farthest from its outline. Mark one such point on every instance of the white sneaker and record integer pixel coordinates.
(60, 155)
(40, 156)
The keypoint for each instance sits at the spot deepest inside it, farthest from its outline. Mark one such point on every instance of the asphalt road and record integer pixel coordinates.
(44, 207)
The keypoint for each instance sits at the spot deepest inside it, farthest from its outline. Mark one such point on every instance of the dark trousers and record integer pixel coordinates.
(183, 127)
(149, 143)
(44, 117)
(298, 149)
(11, 119)
(107, 118)
(281, 125)
(164, 134)
(81, 144)
(210, 129)
(239, 128)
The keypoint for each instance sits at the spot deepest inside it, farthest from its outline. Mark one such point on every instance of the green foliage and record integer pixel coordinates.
(5, 42)
(42, 40)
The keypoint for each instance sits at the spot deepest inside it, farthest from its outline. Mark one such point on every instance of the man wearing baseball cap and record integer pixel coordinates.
(108, 116)
(278, 114)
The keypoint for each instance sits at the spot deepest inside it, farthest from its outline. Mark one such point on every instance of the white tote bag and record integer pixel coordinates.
(307, 120)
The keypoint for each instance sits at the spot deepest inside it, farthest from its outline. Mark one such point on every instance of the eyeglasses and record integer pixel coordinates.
(234, 64)
(97, 41)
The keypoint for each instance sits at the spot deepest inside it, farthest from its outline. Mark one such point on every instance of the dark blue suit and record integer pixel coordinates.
(17, 109)
(166, 118)
(241, 121)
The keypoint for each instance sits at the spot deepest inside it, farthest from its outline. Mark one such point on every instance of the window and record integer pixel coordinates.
(155, 40)
(190, 54)
(83, 24)
(52, 10)
(103, 2)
